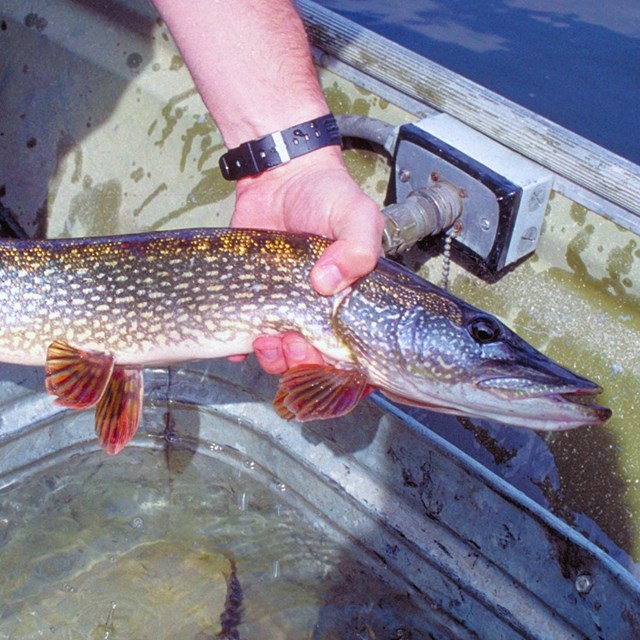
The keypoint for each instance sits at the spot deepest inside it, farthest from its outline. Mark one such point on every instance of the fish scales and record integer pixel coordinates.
(137, 296)
(96, 311)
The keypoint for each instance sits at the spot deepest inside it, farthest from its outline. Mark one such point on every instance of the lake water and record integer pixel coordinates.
(572, 61)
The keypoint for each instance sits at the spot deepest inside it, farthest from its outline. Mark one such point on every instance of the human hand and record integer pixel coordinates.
(313, 194)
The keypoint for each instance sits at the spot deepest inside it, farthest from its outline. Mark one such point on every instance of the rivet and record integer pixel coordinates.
(584, 583)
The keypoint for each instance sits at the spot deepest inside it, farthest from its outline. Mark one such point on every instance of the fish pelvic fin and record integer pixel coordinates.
(319, 392)
(81, 379)
(78, 378)
(119, 409)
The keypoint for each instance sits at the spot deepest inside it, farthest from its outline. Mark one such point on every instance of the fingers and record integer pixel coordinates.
(354, 253)
(276, 354)
(340, 265)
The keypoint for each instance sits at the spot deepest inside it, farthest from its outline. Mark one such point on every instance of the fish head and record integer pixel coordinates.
(442, 353)
(475, 365)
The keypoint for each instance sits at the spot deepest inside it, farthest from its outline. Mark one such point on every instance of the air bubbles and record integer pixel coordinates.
(281, 486)
(250, 464)
(616, 369)
(137, 522)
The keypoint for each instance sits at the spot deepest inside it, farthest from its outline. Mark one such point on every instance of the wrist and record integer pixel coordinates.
(268, 152)
(324, 159)
(240, 128)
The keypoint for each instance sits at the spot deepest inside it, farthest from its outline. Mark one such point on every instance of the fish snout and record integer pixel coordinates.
(525, 380)
(551, 388)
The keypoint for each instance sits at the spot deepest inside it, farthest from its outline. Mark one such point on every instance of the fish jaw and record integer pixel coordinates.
(540, 394)
(552, 410)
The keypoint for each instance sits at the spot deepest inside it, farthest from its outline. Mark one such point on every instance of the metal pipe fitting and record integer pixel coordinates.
(426, 211)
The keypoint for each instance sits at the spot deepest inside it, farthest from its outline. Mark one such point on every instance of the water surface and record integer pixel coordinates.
(572, 61)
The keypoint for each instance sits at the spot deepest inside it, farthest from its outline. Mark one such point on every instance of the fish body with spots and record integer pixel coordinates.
(96, 311)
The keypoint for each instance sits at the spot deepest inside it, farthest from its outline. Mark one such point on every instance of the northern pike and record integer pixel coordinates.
(95, 311)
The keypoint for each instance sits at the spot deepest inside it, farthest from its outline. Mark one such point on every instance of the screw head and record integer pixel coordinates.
(583, 583)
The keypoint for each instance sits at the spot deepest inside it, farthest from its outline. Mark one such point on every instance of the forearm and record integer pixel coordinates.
(250, 61)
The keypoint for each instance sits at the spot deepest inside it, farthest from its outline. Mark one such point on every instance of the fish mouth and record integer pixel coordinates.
(563, 396)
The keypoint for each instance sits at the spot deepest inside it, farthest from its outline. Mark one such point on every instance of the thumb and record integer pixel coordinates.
(342, 263)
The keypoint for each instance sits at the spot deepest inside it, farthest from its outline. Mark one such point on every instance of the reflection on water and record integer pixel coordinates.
(139, 546)
(568, 60)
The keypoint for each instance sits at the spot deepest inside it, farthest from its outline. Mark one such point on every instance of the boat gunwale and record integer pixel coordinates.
(587, 173)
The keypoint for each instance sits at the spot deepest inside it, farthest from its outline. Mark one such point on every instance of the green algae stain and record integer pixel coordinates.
(619, 264)
(211, 189)
(576, 247)
(97, 208)
(137, 174)
(150, 198)
(204, 130)
(338, 99)
(176, 63)
(361, 165)
(361, 107)
(578, 213)
(171, 114)
(77, 166)
(621, 259)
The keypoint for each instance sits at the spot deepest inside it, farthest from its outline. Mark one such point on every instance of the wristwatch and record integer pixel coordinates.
(270, 151)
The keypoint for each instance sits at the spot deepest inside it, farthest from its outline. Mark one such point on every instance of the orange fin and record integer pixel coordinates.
(319, 392)
(119, 410)
(77, 377)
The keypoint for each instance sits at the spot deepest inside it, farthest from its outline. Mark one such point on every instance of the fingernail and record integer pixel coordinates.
(297, 349)
(327, 279)
(268, 354)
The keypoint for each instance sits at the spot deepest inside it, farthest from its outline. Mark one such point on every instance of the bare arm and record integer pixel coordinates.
(251, 63)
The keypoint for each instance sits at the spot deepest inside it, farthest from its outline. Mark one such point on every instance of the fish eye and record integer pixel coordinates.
(484, 329)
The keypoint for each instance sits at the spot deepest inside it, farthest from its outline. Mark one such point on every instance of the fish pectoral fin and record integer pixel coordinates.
(319, 392)
(77, 377)
(119, 409)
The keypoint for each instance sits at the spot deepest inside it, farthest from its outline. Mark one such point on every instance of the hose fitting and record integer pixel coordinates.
(426, 211)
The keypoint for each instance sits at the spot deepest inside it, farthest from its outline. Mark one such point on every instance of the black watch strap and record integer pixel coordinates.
(256, 156)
